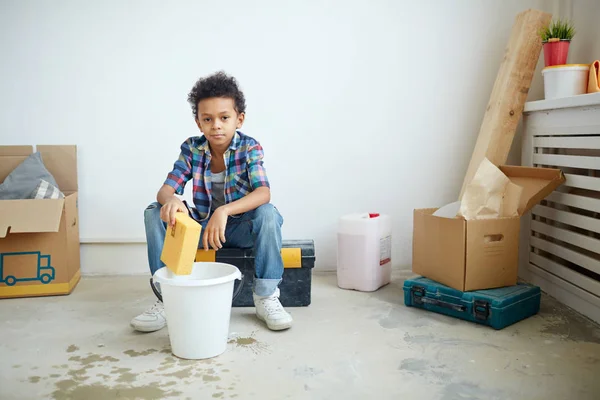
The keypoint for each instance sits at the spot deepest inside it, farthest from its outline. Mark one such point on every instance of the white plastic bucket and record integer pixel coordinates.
(565, 80)
(198, 308)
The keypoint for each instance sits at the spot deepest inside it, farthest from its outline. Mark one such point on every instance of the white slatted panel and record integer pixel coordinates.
(580, 221)
(579, 142)
(564, 260)
(567, 254)
(564, 131)
(583, 182)
(564, 235)
(583, 202)
(566, 292)
(591, 285)
(583, 162)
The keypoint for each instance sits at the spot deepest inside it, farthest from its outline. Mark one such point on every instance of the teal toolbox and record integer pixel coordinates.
(497, 308)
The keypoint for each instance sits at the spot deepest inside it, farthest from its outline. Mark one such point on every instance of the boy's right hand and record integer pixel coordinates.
(170, 208)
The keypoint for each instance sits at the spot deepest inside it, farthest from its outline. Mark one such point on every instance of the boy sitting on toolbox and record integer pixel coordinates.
(231, 193)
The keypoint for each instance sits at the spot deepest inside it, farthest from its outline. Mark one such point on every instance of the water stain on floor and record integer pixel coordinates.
(72, 349)
(93, 358)
(93, 376)
(210, 378)
(133, 353)
(249, 343)
(244, 341)
(101, 392)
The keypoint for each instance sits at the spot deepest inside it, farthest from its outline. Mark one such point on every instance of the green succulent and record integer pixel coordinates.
(559, 29)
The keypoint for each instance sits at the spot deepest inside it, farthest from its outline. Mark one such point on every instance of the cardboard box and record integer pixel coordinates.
(478, 254)
(39, 239)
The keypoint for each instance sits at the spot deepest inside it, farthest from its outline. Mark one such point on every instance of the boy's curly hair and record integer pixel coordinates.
(217, 85)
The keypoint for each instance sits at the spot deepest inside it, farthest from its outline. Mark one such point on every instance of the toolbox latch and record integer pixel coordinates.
(417, 293)
(481, 309)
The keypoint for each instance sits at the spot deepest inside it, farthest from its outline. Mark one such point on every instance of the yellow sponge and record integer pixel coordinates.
(181, 244)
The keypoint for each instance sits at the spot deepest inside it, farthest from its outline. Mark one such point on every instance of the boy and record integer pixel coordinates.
(231, 193)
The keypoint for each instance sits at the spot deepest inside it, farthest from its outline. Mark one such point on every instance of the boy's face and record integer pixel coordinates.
(218, 121)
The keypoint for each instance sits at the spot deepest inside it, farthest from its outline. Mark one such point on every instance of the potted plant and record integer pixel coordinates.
(556, 38)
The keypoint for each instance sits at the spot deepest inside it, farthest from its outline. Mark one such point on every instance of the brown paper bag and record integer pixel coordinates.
(490, 194)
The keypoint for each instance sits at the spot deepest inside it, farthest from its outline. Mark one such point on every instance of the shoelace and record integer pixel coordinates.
(272, 305)
(155, 309)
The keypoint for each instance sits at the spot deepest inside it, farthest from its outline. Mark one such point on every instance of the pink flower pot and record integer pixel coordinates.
(555, 53)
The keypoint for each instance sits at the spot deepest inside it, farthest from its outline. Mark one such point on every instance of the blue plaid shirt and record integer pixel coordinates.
(244, 171)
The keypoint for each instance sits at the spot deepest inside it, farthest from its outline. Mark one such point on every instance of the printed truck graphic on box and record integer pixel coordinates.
(25, 266)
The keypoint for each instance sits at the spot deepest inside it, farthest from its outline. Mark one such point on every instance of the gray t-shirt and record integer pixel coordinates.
(218, 189)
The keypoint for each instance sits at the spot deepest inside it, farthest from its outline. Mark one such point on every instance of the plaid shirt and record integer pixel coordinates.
(244, 171)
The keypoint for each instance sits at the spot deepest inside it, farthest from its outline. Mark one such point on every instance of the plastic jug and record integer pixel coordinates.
(364, 251)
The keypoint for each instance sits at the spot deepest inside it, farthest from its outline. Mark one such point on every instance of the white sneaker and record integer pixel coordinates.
(270, 310)
(153, 319)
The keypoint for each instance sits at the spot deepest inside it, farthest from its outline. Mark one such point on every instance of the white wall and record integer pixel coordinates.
(361, 106)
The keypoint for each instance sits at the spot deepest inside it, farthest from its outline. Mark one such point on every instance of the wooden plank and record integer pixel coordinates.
(557, 160)
(509, 93)
(573, 142)
(582, 182)
(580, 280)
(583, 202)
(565, 235)
(582, 260)
(580, 221)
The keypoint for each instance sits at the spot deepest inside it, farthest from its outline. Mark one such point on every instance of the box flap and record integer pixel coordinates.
(27, 216)
(61, 161)
(537, 183)
(11, 157)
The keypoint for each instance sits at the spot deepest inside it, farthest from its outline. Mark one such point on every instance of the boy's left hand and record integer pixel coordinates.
(214, 234)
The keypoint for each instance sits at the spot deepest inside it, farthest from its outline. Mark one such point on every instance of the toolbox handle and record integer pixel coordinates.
(418, 297)
(444, 304)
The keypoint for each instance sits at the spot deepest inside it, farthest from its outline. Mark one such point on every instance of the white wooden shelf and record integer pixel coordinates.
(582, 100)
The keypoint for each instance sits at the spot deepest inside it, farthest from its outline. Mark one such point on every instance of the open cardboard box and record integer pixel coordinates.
(39, 239)
(478, 254)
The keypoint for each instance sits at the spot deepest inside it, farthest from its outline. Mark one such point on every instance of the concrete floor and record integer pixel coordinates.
(346, 345)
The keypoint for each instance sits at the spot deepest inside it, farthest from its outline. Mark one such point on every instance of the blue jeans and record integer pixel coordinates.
(259, 229)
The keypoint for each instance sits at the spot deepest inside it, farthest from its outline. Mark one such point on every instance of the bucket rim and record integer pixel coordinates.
(165, 276)
(566, 67)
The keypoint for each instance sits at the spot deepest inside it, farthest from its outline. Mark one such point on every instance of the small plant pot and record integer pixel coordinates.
(556, 52)
(565, 80)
